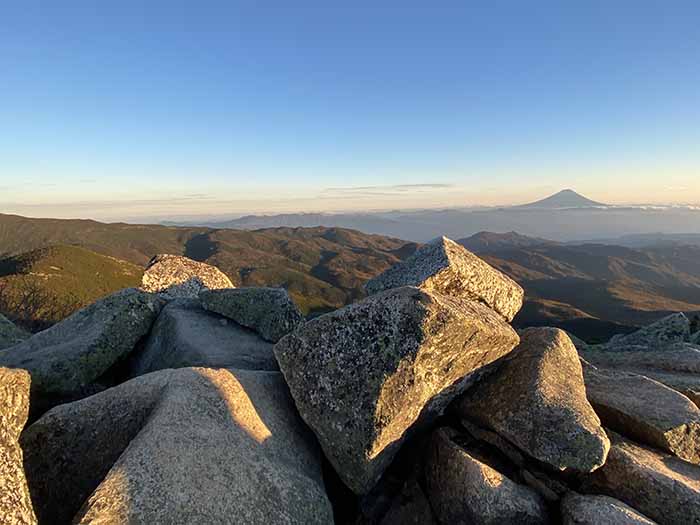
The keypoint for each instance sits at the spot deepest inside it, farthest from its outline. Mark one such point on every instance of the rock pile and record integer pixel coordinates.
(195, 402)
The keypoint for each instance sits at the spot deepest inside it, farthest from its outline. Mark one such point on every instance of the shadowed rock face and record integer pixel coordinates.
(446, 267)
(15, 503)
(65, 360)
(186, 335)
(537, 401)
(178, 446)
(177, 276)
(599, 510)
(268, 311)
(463, 489)
(361, 376)
(10, 335)
(662, 487)
(645, 410)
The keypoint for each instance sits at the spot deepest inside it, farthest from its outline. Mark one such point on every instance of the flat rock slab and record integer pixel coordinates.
(662, 487)
(599, 510)
(361, 376)
(674, 328)
(463, 489)
(268, 311)
(15, 502)
(186, 335)
(177, 276)
(537, 401)
(446, 267)
(676, 365)
(646, 411)
(10, 334)
(67, 358)
(190, 445)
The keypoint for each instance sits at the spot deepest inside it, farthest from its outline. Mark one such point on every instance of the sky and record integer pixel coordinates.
(146, 110)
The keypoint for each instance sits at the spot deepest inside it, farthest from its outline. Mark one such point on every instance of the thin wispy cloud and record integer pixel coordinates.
(384, 191)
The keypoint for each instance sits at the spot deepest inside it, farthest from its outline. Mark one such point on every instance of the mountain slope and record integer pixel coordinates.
(323, 268)
(596, 288)
(563, 199)
(43, 286)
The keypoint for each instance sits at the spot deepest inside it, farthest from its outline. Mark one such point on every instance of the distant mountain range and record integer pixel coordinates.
(593, 289)
(565, 216)
(323, 268)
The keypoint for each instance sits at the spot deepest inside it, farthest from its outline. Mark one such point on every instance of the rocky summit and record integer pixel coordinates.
(191, 401)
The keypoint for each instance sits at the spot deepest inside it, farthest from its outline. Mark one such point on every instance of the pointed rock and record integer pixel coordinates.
(446, 267)
(599, 510)
(177, 276)
(10, 334)
(536, 399)
(662, 487)
(15, 503)
(67, 359)
(187, 335)
(361, 376)
(674, 328)
(191, 445)
(646, 411)
(268, 311)
(464, 488)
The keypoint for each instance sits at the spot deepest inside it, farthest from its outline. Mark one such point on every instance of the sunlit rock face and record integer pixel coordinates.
(364, 375)
(177, 276)
(15, 502)
(446, 267)
(537, 401)
(191, 445)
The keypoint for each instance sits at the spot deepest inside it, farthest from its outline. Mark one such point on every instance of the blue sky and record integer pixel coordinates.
(119, 110)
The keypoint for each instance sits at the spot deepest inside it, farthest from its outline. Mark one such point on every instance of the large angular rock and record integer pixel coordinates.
(361, 376)
(268, 311)
(186, 335)
(599, 510)
(674, 328)
(464, 489)
(71, 356)
(446, 267)
(191, 445)
(10, 334)
(537, 401)
(15, 503)
(662, 487)
(177, 276)
(645, 410)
